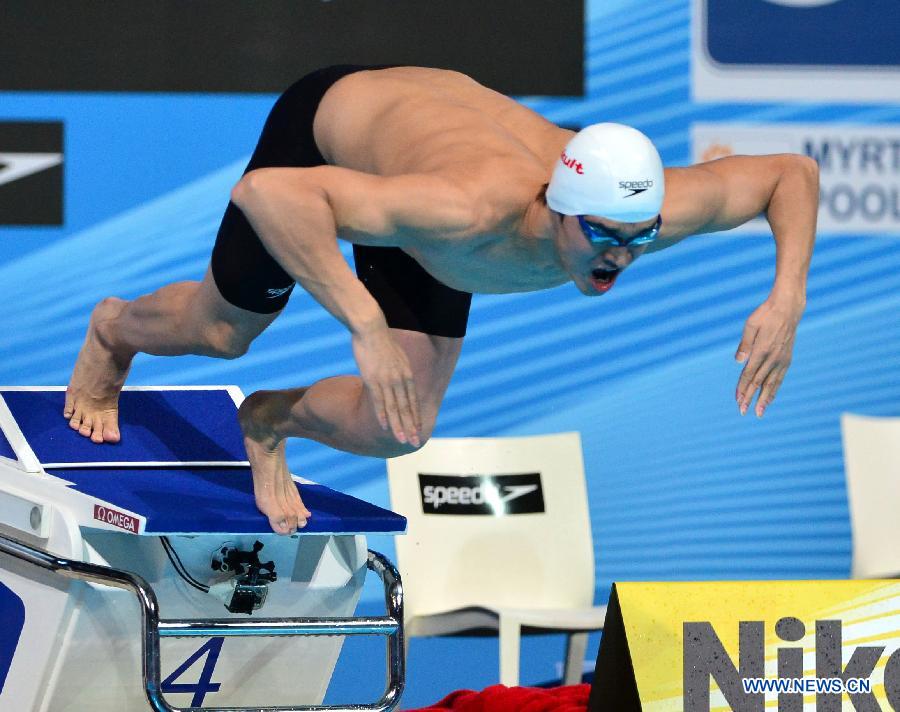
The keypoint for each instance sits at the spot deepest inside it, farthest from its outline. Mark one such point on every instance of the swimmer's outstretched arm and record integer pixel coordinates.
(298, 212)
(722, 194)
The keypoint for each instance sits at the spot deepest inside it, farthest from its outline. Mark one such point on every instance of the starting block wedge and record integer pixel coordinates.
(98, 541)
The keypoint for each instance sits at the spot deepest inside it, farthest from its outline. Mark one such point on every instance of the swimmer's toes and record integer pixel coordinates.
(69, 407)
(300, 513)
(278, 524)
(110, 432)
(86, 426)
(283, 523)
(84, 420)
(75, 421)
(290, 512)
(292, 495)
(278, 518)
(302, 510)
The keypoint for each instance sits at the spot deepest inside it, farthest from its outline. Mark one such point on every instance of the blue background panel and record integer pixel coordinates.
(213, 500)
(854, 33)
(12, 615)
(156, 426)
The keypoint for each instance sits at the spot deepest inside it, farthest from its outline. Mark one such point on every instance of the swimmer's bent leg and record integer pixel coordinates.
(181, 318)
(215, 317)
(338, 411)
(184, 318)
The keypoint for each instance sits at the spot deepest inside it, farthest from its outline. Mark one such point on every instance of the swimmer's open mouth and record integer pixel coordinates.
(604, 279)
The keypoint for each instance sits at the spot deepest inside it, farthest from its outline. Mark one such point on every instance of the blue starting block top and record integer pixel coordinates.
(194, 500)
(181, 464)
(157, 426)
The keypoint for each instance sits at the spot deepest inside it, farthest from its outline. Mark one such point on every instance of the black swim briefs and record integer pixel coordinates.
(247, 275)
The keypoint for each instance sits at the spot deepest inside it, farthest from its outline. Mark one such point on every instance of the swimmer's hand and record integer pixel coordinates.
(385, 370)
(766, 349)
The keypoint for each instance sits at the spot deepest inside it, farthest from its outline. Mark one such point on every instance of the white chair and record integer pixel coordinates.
(872, 465)
(500, 570)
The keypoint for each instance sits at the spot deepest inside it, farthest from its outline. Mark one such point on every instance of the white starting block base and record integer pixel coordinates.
(72, 645)
(81, 644)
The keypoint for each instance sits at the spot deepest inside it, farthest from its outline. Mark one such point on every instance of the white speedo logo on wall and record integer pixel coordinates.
(496, 495)
(859, 167)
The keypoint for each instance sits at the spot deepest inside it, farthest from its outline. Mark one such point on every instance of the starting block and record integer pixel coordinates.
(96, 541)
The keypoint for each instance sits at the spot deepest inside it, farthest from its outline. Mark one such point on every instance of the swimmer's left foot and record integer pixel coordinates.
(92, 398)
(273, 487)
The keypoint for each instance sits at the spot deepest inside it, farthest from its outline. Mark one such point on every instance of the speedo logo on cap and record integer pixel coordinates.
(485, 495)
(635, 186)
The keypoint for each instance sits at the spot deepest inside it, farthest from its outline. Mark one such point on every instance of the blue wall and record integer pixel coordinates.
(681, 486)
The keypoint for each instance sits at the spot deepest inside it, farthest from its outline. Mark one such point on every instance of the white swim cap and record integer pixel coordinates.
(609, 170)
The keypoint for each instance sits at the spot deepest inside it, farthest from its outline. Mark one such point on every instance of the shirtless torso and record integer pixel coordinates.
(424, 164)
(411, 120)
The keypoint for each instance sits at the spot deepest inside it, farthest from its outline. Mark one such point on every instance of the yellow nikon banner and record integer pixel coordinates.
(784, 646)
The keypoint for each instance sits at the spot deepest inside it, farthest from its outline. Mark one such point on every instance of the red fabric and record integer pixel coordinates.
(499, 698)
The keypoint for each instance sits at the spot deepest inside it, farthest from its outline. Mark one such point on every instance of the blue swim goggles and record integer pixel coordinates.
(599, 236)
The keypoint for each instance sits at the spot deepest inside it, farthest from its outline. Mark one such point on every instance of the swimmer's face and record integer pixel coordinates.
(595, 268)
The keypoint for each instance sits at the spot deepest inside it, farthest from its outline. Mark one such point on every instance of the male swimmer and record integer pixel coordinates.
(442, 187)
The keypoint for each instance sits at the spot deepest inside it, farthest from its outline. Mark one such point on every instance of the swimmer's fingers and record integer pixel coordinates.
(766, 378)
(374, 353)
(378, 405)
(772, 374)
(750, 357)
(385, 370)
(397, 407)
(393, 414)
(400, 397)
(750, 380)
(402, 410)
(392, 405)
(766, 361)
(751, 328)
(769, 389)
(407, 408)
(387, 410)
(414, 405)
(767, 345)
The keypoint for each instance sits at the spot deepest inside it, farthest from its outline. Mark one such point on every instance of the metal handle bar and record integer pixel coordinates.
(153, 628)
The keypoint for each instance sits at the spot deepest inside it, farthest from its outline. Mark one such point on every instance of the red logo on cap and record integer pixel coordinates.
(572, 163)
